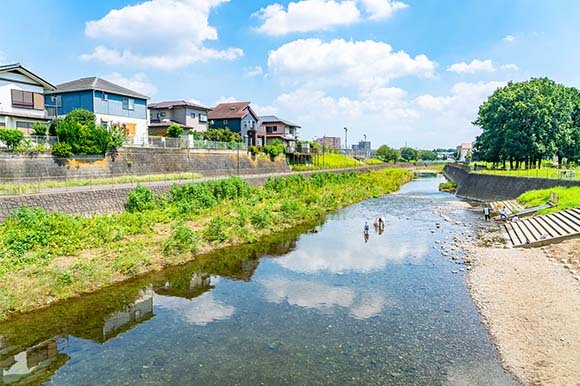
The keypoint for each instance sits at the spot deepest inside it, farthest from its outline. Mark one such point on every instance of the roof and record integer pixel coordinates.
(466, 146)
(17, 67)
(273, 118)
(98, 84)
(180, 103)
(232, 111)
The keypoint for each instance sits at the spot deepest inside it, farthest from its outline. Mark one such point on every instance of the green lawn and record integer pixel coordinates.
(567, 198)
(564, 174)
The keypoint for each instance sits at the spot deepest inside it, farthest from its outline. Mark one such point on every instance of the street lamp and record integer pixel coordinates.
(345, 140)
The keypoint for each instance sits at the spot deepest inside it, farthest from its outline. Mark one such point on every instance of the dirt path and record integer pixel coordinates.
(531, 305)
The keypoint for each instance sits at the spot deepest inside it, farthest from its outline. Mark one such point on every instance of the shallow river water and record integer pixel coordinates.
(327, 308)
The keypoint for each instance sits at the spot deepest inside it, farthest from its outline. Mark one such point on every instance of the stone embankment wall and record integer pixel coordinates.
(486, 187)
(137, 161)
(112, 199)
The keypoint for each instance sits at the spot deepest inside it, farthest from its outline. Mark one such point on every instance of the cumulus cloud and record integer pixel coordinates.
(480, 66)
(306, 16)
(382, 9)
(463, 96)
(250, 72)
(365, 64)
(199, 311)
(163, 34)
(316, 15)
(137, 82)
(509, 38)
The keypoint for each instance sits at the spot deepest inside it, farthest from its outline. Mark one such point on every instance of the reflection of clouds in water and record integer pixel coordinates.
(199, 311)
(308, 294)
(326, 252)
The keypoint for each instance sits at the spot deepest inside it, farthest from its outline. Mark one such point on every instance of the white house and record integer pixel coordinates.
(22, 98)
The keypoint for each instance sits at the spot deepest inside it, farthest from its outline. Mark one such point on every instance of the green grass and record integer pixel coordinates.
(450, 187)
(328, 161)
(50, 256)
(563, 174)
(567, 198)
(372, 161)
(35, 186)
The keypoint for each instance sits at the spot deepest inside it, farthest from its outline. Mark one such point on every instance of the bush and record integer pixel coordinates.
(182, 240)
(140, 199)
(215, 230)
(174, 131)
(11, 138)
(62, 149)
(78, 129)
(221, 135)
(260, 218)
(39, 129)
(254, 150)
(274, 149)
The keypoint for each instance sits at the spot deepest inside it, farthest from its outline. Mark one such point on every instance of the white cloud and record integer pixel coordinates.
(306, 16)
(509, 38)
(365, 64)
(265, 109)
(382, 9)
(473, 67)
(480, 66)
(226, 99)
(250, 72)
(464, 97)
(199, 311)
(164, 34)
(2, 56)
(138, 82)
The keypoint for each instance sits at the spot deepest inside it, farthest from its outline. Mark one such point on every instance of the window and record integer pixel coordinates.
(24, 125)
(128, 104)
(22, 99)
(271, 129)
(225, 121)
(56, 100)
(2, 124)
(161, 114)
(202, 118)
(104, 97)
(192, 115)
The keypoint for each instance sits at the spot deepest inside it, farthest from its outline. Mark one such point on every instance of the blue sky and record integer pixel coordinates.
(406, 71)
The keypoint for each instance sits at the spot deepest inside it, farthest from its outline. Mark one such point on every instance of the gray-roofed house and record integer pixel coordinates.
(237, 117)
(21, 98)
(111, 104)
(274, 128)
(188, 115)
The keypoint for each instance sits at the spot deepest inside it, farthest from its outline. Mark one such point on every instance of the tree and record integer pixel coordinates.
(174, 131)
(408, 154)
(387, 153)
(78, 129)
(427, 155)
(221, 135)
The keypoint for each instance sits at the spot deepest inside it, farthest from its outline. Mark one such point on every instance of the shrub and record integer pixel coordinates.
(254, 150)
(274, 149)
(78, 129)
(215, 230)
(39, 129)
(221, 135)
(182, 240)
(174, 131)
(11, 138)
(140, 199)
(62, 149)
(260, 218)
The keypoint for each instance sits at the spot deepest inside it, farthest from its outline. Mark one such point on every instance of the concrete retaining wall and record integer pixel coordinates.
(107, 199)
(486, 187)
(137, 161)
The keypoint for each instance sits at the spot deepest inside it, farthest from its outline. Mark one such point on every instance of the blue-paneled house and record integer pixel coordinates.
(237, 117)
(111, 104)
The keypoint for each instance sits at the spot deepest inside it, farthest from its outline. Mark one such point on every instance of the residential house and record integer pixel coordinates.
(112, 104)
(329, 142)
(272, 128)
(22, 98)
(464, 151)
(186, 114)
(237, 117)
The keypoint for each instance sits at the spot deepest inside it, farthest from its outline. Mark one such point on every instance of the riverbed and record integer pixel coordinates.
(320, 306)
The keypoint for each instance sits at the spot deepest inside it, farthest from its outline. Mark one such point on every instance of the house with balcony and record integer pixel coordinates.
(112, 104)
(272, 128)
(22, 98)
(186, 114)
(237, 117)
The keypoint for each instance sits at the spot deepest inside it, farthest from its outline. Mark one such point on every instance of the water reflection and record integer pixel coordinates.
(199, 311)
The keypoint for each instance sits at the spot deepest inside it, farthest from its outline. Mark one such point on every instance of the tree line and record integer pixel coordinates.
(389, 154)
(524, 123)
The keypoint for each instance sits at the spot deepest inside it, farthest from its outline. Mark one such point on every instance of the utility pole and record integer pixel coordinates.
(345, 140)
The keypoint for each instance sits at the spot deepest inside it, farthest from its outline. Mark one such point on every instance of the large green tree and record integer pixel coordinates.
(409, 154)
(387, 154)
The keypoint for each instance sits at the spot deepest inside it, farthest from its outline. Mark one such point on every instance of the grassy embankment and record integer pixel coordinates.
(567, 198)
(564, 174)
(35, 185)
(46, 257)
(328, 161)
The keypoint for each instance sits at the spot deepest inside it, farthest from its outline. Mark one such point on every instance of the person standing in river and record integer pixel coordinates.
(487, 213)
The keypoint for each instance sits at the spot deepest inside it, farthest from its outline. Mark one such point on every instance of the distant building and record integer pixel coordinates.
(329, 142)
(22, 98)
(464, 151)
(237, 117)
(186, 114)
(112, 104)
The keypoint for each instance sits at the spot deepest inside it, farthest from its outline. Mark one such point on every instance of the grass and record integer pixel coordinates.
(35, 186)
(450, 187)
(47, 257)
(328, 161)
(372, 161)
(567, 198)
(563, 174)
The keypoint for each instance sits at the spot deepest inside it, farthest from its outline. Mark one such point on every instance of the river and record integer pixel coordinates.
(323, 307)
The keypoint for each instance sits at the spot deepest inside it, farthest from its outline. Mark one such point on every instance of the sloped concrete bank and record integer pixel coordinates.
(112, 199)
(487, 187)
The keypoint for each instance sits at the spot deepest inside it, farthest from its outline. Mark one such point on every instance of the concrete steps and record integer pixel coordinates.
(511, 206)
(546, 229)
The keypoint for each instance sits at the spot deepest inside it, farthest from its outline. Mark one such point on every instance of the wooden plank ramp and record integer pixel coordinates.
(546, 229)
